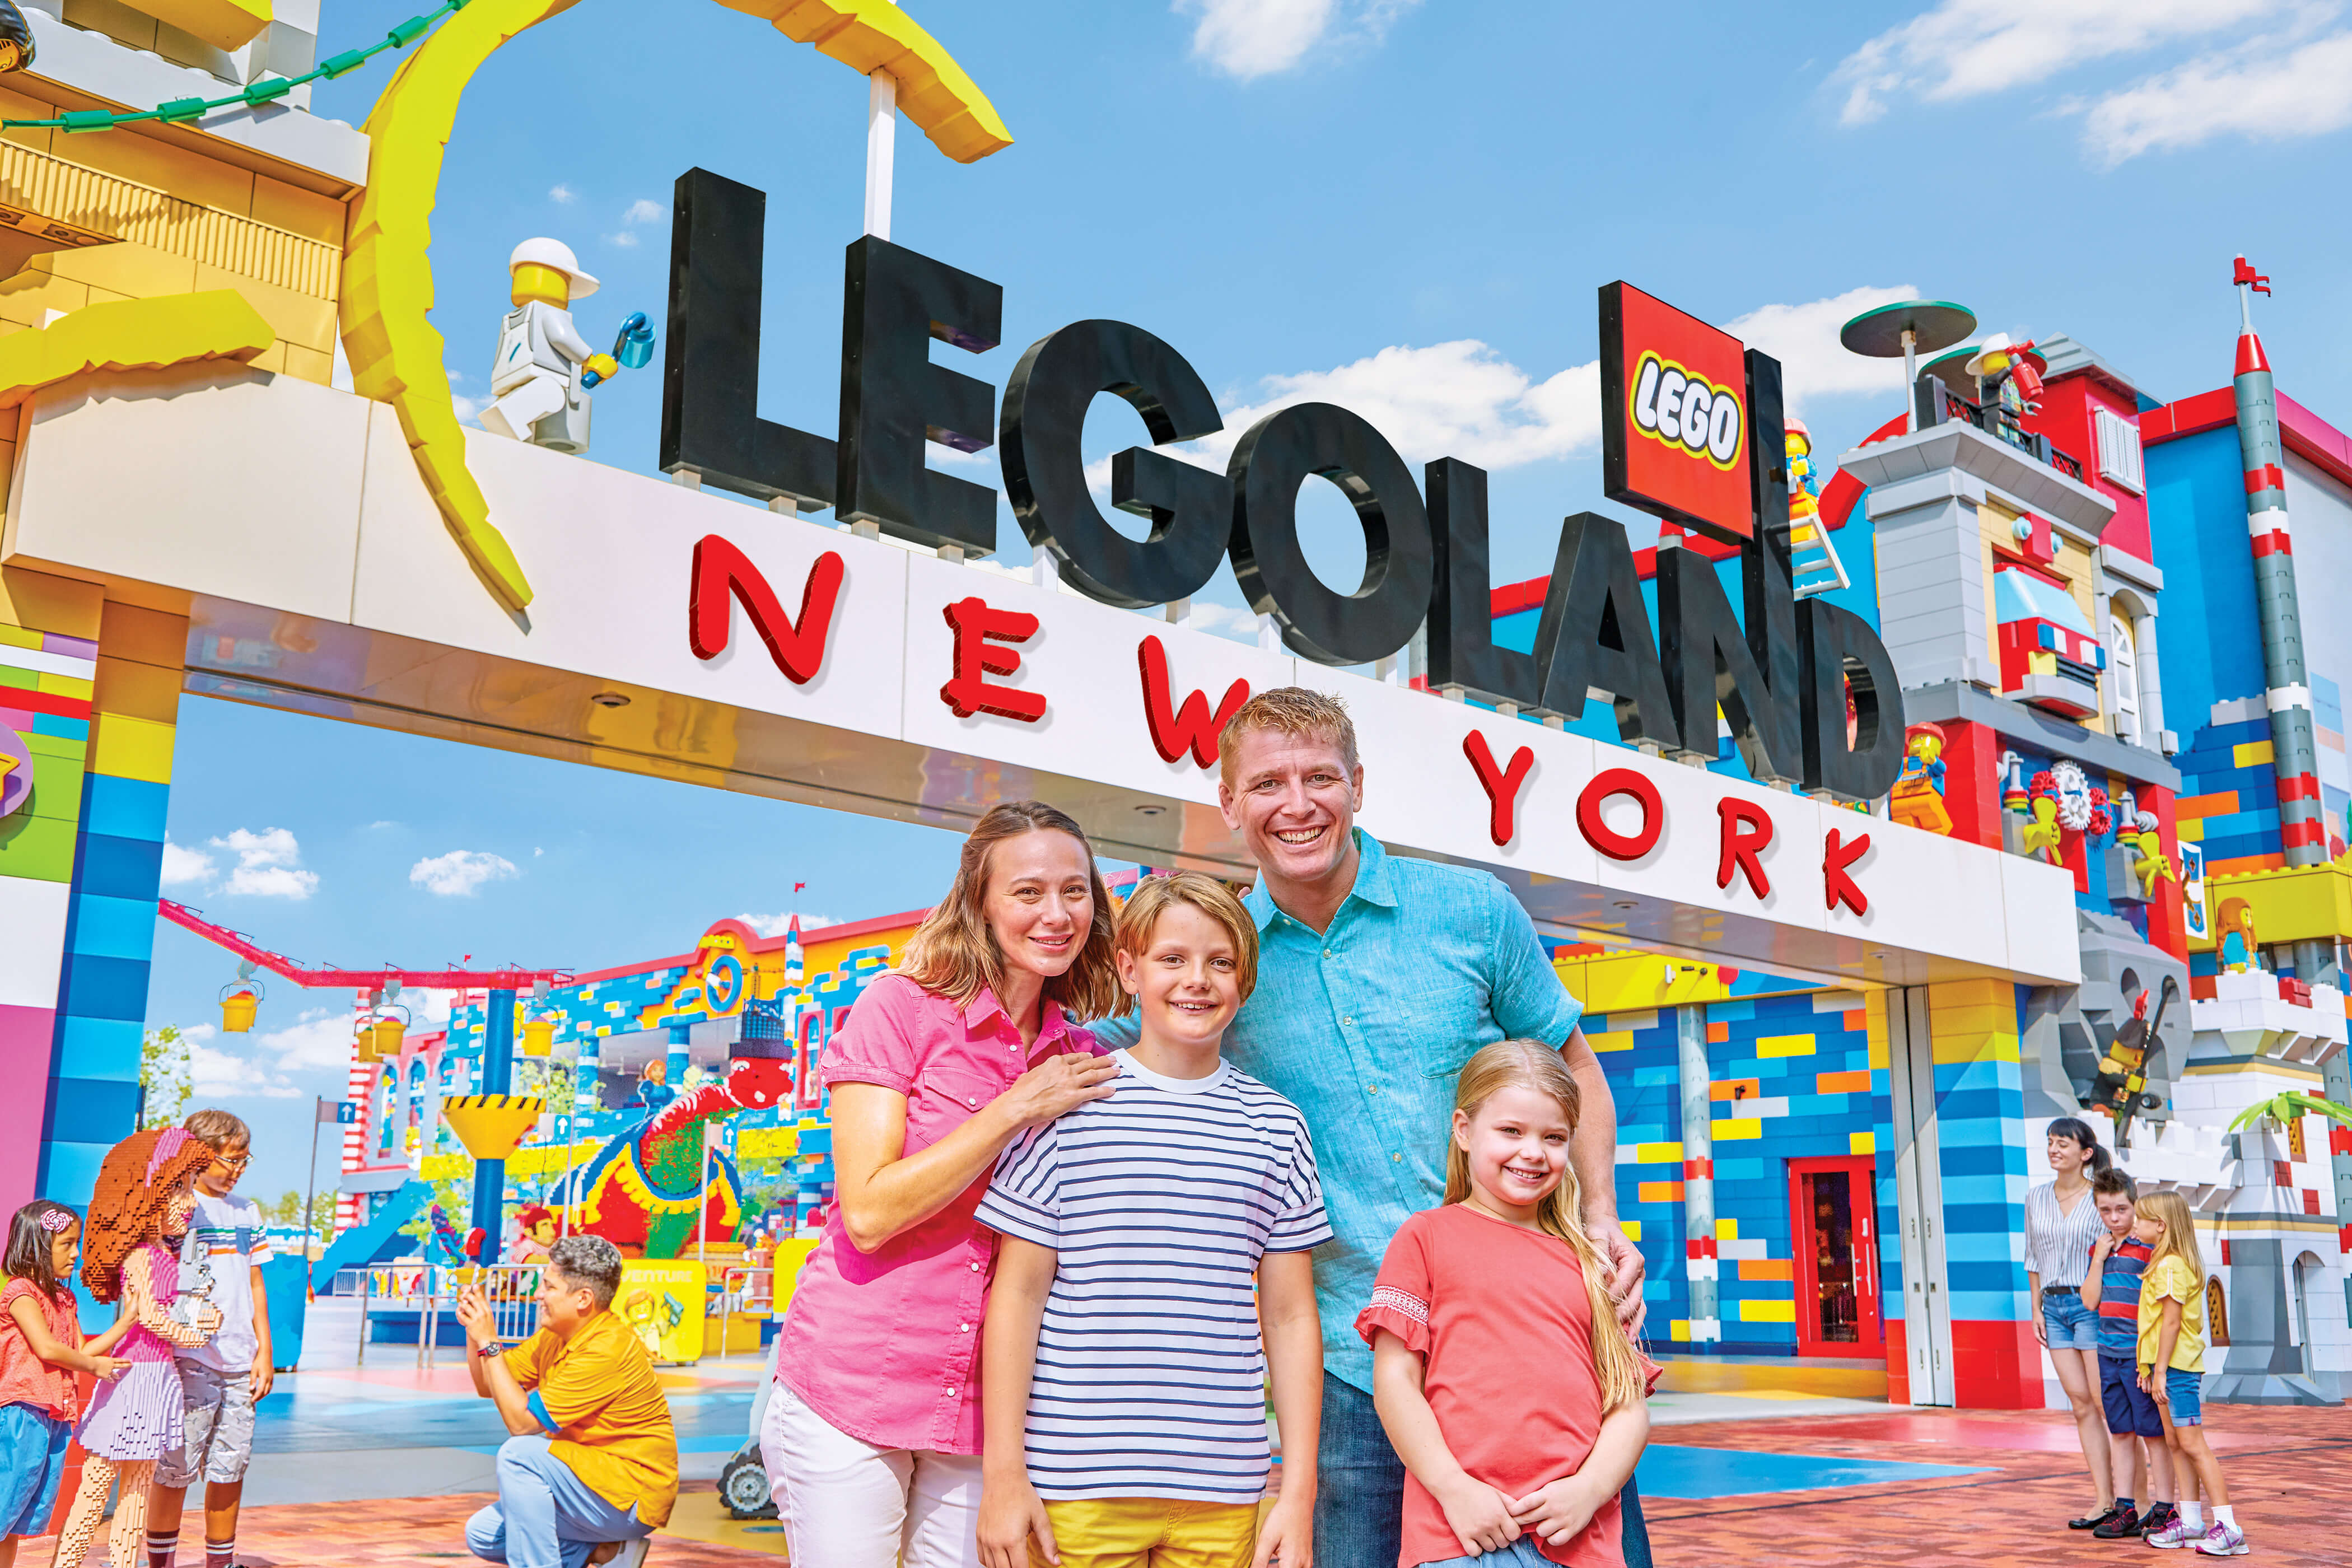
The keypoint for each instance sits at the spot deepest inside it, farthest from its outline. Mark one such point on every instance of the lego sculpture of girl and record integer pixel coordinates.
(144, 1200)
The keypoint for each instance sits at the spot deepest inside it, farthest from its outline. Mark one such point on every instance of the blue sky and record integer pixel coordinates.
(1403, 207)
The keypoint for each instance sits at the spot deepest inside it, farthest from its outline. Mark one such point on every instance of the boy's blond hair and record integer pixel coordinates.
(1288, 711)
(1155, 896)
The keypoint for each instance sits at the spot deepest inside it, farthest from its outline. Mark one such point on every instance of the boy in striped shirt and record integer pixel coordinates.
(1152, 1270)
(2111, 1289)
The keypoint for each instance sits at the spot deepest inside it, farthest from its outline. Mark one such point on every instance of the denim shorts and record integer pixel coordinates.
(2185, 1392)
(2067, 1324)
(2131, 1410)
(1527, 1552)
(32, 1459)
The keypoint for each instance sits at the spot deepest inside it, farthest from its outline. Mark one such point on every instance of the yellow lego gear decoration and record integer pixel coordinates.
(395, 355)
(132, 334)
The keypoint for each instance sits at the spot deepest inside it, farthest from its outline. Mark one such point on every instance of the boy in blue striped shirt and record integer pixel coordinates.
(1151, 1269)
(2112, 1290)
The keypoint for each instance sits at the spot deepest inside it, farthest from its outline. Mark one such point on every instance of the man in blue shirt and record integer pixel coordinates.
(1378, 979)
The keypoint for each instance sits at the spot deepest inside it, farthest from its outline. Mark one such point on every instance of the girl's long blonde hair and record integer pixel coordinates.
(2170, 1210)
(1531, 1064)
(953, 953)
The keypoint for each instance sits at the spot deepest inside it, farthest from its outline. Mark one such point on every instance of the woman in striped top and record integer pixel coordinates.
(2062, 1226)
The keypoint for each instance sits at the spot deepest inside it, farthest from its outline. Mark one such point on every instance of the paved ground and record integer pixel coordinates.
(1752, 1463)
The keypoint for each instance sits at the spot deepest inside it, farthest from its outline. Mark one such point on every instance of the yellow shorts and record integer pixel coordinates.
(1151, 1533)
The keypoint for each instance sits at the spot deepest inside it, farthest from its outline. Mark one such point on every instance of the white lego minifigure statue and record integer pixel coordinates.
(537, 380)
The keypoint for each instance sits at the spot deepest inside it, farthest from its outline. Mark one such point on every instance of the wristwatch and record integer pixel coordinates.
(495, 1348)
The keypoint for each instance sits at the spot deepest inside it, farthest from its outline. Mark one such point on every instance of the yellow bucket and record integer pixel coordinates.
(237, 1011)
(387, 1034)
(539, 1037)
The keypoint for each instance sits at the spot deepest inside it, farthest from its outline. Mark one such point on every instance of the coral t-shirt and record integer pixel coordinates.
(1504, 1326)
(26, 1378)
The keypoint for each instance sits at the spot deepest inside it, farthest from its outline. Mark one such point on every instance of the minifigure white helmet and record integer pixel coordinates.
(556, 254)
(1998, 344)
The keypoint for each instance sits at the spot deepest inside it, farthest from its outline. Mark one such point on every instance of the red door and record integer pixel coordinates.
(1832, 1213)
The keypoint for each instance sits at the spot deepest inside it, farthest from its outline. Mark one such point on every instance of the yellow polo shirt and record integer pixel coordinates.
(2171, 1279)
(599, 1390)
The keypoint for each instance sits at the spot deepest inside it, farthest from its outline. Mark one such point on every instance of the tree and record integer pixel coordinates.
(167, 1077)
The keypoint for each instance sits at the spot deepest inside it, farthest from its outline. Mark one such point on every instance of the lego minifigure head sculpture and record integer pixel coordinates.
(16, 38)
(1924, 742)
(546, 272)
(538, 1223)
(145, 1192)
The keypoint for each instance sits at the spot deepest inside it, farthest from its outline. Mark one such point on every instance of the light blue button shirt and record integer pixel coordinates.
(1365, 1028)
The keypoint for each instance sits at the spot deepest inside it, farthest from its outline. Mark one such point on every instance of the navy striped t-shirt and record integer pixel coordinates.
(1159, 1201)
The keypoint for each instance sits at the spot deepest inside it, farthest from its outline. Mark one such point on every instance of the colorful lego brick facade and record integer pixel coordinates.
(90, 689)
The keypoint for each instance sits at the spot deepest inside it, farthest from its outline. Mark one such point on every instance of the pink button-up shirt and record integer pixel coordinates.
(885, 1345)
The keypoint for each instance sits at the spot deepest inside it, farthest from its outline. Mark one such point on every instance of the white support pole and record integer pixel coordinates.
(1910, 356)
(881, 126)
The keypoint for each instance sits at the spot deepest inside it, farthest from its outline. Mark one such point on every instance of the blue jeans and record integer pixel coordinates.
(1360, 1490)
(546, 1516)
(1521, 1553)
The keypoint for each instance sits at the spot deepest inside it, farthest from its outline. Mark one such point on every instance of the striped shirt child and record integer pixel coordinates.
(2119, 1299)
(1159, 1203)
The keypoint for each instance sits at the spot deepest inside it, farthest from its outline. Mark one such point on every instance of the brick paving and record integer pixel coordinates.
(2289, 1470)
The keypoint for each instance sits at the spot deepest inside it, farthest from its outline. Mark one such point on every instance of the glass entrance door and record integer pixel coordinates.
(1834, 1216)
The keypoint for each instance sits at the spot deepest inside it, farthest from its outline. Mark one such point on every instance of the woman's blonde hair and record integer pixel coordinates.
(953, 953)
(1531, 1064)
(1155, 896)
(2170, 1210)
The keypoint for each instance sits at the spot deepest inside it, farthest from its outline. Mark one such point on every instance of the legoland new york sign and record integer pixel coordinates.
(677, 633)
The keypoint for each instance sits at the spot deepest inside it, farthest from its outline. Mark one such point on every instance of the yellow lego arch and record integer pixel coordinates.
(396, 355)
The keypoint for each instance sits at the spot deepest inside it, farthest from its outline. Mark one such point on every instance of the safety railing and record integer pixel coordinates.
(1939, 404)
(429, 1290)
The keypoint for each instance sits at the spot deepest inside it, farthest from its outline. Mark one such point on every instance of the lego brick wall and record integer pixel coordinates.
(1790, 1077)
(49, 667)
(1973, 1026)
(93, 1079)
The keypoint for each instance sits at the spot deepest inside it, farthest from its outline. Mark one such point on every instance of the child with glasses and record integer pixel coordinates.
(222, 1378)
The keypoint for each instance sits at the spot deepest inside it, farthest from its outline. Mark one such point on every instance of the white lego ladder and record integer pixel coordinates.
(1813, 563)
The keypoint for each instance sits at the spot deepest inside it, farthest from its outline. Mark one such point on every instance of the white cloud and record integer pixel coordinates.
(562, 196)
(776, 925)
(1966, 49)
(2269, 90)
(469, 409)
(645, 211)
(182, 866)
(268, 865)
(1236, 622)
(1250, 38)
(624, 239)
(217, 1073)
(461, 872)
(1804, 339)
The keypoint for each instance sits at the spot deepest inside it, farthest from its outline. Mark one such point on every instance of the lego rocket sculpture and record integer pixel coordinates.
(2303, 832)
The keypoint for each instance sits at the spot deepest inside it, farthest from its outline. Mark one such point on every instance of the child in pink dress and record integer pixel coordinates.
(145, 1195)
(1499, 1369)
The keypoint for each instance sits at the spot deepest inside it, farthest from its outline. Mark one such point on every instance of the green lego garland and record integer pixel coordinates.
(180, 110)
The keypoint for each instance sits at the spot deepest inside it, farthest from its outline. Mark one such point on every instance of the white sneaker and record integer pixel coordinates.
(2223, 1541)
(2176, 1535)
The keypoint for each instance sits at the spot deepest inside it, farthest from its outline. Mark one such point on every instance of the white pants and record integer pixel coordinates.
(848, 1504)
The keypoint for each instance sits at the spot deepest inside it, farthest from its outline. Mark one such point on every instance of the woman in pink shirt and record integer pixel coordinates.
(872, 1438)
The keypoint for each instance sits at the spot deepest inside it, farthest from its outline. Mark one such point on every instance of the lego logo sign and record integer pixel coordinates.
(1674, 415)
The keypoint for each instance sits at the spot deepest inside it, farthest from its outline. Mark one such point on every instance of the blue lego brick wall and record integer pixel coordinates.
(2197, 522)
(1792, 1079)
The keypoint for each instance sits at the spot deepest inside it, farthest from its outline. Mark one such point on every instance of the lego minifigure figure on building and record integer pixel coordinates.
(544, 366)
(16, 38)
(2149, 863)
(2240, 952)
(2008, 376)
(1917, 797)
(1804, 480)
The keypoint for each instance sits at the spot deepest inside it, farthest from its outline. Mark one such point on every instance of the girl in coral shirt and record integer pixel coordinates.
(1499, 1368)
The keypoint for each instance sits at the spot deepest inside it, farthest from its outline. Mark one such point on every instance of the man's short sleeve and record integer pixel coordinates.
(1025, 1200)
(1302, 1225)
(882, 1043)
(580, 1384)
(526, 1360)
(1529, 1002)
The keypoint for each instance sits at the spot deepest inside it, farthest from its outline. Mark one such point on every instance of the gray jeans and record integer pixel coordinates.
(216, 1429)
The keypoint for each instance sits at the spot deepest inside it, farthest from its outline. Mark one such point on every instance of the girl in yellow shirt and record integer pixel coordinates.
(2172, 1370)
